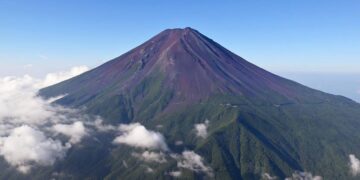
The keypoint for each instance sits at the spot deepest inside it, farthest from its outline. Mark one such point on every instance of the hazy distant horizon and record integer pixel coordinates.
(344, 84)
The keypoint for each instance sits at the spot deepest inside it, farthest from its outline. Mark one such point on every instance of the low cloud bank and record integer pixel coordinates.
(26, 145)
(25, 119)
(37, 123)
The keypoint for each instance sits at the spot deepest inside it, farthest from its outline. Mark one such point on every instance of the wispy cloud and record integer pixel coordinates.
(192, 161)
(149, 156)
(101, 126)
(175, 173)
(297, 175)
(267, 176)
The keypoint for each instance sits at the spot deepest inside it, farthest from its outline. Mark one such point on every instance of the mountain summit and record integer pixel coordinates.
(253, 123)
(186, 66)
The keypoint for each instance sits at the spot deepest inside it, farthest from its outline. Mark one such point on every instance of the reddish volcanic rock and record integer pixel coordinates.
(193, 66)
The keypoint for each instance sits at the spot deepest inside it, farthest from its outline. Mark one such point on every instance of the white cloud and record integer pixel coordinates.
(137, 135)
(53, 78)
(25, 146)
(354, 165)
(267, 176)
(192, 161)
(201, 129)
(149, 156)
(19, 103)
(75, 131)
(53, 99)
(25, 117)
(175, 173)
(100, 126)
(303, 176)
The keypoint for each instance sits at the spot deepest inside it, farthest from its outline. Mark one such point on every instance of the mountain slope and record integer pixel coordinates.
(258, 122)
(181, 66)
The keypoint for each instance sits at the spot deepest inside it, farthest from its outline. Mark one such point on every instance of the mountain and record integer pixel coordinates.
(177, 67)
(257, 122)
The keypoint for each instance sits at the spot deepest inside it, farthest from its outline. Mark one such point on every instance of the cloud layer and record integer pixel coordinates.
(24, 120)
(19, 103)
(26, 117)
(26, 145)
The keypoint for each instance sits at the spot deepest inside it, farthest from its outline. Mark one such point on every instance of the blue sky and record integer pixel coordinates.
(286, 37)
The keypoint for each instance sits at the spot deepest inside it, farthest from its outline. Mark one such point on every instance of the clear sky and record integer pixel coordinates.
(297, 36)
